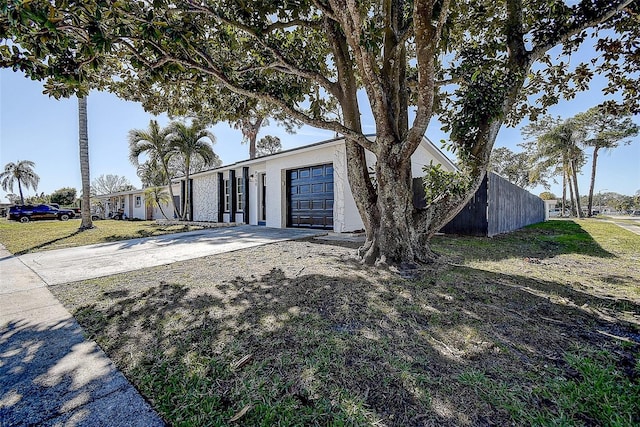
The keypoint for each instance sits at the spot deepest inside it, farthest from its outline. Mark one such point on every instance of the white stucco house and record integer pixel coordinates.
(131, 204)
(302, 187)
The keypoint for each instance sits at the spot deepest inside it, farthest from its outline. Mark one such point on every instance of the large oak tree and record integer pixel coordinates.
(474, 64)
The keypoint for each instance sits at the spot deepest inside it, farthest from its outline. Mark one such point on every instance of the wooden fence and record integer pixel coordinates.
(497, 207)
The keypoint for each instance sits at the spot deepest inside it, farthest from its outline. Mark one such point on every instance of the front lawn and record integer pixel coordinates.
(36, 236)
(537, 327)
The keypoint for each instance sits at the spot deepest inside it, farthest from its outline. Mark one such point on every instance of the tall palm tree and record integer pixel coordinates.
(606, 130)
(83, 142)
(155, 197)
(21, 172)
(191, 142)
(156, 143)
(557, 147)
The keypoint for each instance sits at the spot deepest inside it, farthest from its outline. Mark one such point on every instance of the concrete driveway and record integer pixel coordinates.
(87, 262)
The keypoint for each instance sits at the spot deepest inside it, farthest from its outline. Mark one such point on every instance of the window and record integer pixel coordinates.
(138, 201)
(239, 194)
(227, 199)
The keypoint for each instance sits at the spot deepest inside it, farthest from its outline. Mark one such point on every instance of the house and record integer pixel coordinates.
(302, 187)
(308, 187)
(129, 203)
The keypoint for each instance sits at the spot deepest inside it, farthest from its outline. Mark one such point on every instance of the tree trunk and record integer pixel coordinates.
(564, 193)
(396, 236)
(20, 191)
(160, 207)
(176, 209)
(572, 204)
(574, 176)
(185, 205)
(593, 181)
(84, 164)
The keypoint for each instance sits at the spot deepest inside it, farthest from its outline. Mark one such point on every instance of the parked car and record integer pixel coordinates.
(26, 213)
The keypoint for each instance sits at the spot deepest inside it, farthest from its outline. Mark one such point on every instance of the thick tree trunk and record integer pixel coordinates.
(593, 181)
(84, 164)
(396, 237)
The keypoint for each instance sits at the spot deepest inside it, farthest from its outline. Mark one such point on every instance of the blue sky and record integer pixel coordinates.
(44, 130)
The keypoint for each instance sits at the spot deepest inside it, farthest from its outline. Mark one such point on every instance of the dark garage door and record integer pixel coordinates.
(310, 197)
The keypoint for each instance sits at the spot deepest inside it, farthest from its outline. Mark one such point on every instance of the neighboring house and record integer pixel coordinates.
(551, 209)
(301, 187)
(131, 204)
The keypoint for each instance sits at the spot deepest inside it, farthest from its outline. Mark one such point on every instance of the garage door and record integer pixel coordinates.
(310, 197)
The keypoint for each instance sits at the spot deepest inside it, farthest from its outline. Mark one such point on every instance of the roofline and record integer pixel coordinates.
(327, 142)
(120, 193)
(263, 158)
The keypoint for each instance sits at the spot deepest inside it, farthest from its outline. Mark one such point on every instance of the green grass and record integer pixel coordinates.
(538, 327)
(37, 236)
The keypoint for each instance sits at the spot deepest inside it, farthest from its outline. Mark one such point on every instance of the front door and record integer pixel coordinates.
(262, 188)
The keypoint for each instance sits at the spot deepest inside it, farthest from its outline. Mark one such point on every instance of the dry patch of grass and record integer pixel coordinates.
(38, 236)
(298, 333)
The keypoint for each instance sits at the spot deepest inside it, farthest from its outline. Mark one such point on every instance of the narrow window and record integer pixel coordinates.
(239, 194)
(138, 201)
(227, 199)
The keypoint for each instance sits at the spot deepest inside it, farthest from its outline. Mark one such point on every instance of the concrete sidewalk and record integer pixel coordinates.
(49, 373)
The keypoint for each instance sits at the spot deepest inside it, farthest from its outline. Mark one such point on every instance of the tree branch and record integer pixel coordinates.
(577, 26)
(256, 34)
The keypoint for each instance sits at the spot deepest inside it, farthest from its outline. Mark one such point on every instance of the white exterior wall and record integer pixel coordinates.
(139, 212)
(424, 156)
(346, 217)
(205, 197)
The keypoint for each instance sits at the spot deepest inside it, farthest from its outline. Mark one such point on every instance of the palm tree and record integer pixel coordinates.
(155, 142)
(606, 130)
(190, 142)
(23, 173)
(155, 197)
(83, 142)
(557, 148)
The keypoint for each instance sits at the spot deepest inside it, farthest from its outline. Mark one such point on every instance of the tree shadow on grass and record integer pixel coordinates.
(48, 243)
(347, 349)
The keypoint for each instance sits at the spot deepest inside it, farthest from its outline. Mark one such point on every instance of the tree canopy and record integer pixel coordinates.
(268, 145)
(107, 184)
(64, 196)
(474, 64)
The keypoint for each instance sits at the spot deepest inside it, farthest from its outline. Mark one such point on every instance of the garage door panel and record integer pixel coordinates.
(310, 197)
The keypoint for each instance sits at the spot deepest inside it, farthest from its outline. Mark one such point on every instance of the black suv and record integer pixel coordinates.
(26, 213)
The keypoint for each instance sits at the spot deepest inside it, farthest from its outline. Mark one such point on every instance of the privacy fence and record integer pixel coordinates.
(497, 207)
